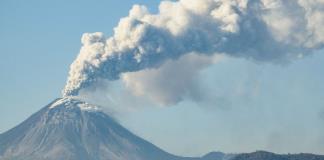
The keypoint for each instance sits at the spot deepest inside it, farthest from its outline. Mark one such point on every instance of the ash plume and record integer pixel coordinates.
(275, 31)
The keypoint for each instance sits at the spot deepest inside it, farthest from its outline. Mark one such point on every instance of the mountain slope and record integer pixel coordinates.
(69, 129)
(73, 130)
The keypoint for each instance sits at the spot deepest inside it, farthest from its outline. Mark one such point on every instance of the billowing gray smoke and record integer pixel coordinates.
(263, 30)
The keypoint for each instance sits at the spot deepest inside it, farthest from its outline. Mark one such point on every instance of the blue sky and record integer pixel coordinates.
(257, 106)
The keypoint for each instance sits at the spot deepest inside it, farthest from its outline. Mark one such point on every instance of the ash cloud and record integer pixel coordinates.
(143, 44)
(181, 81)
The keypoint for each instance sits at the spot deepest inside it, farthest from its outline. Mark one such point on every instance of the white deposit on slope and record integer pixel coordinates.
(275, 31)
(73, 101)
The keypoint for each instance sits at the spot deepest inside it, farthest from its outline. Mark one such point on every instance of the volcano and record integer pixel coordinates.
(70, 129)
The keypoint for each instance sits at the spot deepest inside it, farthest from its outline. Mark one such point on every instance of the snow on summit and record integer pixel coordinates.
(69, 102)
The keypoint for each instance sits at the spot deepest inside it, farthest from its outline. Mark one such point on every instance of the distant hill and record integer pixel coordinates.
(262, 155)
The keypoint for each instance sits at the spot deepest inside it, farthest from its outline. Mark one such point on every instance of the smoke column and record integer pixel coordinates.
(276, 31)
